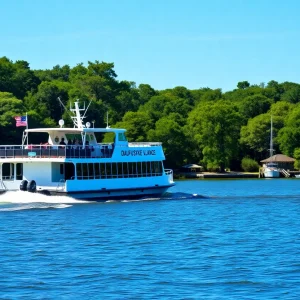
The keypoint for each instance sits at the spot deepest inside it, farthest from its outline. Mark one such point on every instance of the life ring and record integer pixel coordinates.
(31, 187)
(23, 185)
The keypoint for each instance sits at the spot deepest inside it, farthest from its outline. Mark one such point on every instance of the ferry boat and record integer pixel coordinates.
(74, 163)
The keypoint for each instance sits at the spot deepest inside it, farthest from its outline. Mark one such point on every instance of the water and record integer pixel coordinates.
(235, 239)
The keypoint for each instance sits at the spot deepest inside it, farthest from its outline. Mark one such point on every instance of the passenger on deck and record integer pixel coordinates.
(75, 144)
(87, 146)
(62, 142)
(70, 143)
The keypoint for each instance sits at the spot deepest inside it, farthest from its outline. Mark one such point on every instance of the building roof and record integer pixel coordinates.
(279, 158)
(190, 166)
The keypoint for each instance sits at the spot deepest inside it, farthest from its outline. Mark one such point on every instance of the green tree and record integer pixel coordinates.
(171, 134)
(137, 125)
(254, 105)
(10, 107)
(216, 129)
(289, 135)
(243, 85)
(17, 78)
(297, 157)
(45, 101)
(256, 135)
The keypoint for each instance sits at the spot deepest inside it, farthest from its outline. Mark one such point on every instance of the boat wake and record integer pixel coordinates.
(18, 200)
(170, 196)
(34, 206)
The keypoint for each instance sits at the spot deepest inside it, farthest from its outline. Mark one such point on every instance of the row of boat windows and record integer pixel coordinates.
(118, 170)
(93, 170)
(8, 171)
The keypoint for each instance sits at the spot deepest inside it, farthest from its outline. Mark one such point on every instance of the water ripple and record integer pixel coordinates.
(232, 242)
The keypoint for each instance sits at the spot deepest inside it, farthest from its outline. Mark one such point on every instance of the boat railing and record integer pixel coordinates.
(61, 185)
(144, 144)
(65, 151)
(54, 151)
(2, 185)
(169, 173)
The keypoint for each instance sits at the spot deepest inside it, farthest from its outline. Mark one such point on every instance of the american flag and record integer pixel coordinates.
(21, 121)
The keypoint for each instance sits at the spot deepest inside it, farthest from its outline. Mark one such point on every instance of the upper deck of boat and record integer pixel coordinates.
(61, 151)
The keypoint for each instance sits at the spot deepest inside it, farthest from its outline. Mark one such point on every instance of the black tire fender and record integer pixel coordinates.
(23, 185)
(31, 187)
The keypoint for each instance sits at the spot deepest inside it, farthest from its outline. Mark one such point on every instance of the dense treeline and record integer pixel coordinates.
(203, 126)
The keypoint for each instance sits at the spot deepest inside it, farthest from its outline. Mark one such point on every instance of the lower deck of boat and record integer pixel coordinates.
(103, 195)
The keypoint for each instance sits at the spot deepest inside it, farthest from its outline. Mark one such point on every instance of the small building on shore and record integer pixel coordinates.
(191, 168)
(283, 161)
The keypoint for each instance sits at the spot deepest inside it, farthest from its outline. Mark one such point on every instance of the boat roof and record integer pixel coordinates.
(77, 130)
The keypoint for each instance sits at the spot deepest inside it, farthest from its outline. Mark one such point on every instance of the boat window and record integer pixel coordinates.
(108, 170)
(91, 171)
(144, 168)
(139, 169)
(85, 171)
(61, 168)
(19, 171)
(69, 171)
(114, 170)
(157, 168)
(149, 169)
(8, 171)
(125, 169)
(122, 137)
(79, 171)
(103, 170)
(118, 170)
(97, 170)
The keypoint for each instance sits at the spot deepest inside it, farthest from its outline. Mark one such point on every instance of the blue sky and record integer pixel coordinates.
(164, 43)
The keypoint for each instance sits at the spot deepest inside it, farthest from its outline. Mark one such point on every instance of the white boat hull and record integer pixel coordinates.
(271, 173)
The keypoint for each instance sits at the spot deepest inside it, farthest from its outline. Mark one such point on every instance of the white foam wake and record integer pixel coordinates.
(19, 197)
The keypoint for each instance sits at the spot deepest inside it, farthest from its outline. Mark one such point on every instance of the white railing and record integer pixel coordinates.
(169, 173)
(61, 185)
(52, 151)
(144, 144)
(2, 185)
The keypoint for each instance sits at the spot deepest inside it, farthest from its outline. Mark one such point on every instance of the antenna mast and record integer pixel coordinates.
(271, 138)
(77, 118)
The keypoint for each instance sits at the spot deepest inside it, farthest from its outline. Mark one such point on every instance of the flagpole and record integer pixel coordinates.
(27, 128)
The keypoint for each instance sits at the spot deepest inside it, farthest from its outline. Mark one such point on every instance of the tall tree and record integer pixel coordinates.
(216, 128)
(243, 85)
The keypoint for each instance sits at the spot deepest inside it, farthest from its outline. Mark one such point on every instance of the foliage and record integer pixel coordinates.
(216, 130)
(289, 135)
(243, 84)
(203, 126)
(297, 157)
(249, 165)
(256, 135)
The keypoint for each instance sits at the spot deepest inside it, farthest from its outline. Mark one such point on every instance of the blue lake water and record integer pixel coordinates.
(206, 239)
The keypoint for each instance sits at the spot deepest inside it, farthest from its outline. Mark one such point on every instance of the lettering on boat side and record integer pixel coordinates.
(137, 152)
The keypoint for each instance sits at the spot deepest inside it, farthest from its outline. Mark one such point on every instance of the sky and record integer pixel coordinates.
(163, 43)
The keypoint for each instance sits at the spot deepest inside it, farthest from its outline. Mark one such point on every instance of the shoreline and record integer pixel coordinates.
(203, 175)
